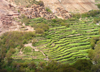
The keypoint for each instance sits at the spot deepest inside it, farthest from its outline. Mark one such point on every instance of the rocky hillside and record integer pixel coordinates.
(74, 6)
(8, 15)
(71, 5)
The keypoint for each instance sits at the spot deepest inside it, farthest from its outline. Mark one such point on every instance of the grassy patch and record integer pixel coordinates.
(27, 50)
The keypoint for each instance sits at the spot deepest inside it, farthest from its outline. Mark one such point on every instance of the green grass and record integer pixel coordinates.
(62, 44)
(28, 54)
(69, 44)
(27, 50)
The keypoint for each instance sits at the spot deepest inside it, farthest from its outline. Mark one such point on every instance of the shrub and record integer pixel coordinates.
(44, 27)
(46, 33)
(99, 31)
(54, 20)
(39, 31)
(42, 64)
(26, 20)
(22, 16)
(83, 64)
(9, 54)
(72, 19)
(63, 24)
(32, 65)
(93, 13)
(76, 15)
(67, 25)
(48, 10)
(28, 6)
(91, 54)
(53, 24)
(48, 37)
(3, 70)
(87, 14)
(92, 42)
(98, 5)
(96, 68)
(12, 50)
(27, 49)
(40, 3)
(70, 69)
(24, 41)
(96, 20)
(34, 41)
(92, 45)
(11, 40)
(37, 2)
(18, 11)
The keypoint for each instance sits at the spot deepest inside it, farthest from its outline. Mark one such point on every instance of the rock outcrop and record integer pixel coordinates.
(75, 6)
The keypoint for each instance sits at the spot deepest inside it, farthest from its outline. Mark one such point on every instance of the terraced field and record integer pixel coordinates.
(67, 45)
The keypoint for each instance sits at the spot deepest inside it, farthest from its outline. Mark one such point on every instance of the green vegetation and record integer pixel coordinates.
(11, 40)
(91, 13)
(98, 5)
(95, 52)
(72, 44)
(48, 10)
(97, 20)
(27, 50)
(67, 45)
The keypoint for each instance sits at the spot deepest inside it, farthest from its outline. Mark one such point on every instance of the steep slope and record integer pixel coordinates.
(3, 7)
(71, 5)
(74, 6)
(78, 5)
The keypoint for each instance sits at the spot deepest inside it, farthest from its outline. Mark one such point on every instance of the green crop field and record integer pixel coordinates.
(67, 45)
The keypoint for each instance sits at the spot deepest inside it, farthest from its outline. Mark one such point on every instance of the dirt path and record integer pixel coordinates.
(30, 44)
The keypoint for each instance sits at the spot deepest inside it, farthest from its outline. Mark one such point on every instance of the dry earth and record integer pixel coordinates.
(71, 5)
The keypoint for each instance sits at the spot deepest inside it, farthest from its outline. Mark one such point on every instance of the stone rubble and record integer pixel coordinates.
(39, 11)
(60, 12)
(36, 11)
(6, 21)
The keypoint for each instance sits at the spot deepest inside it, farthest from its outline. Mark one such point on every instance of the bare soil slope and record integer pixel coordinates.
(3, 7)
(80, 6)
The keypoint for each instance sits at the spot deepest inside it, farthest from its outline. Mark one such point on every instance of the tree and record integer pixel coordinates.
(83, 65)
